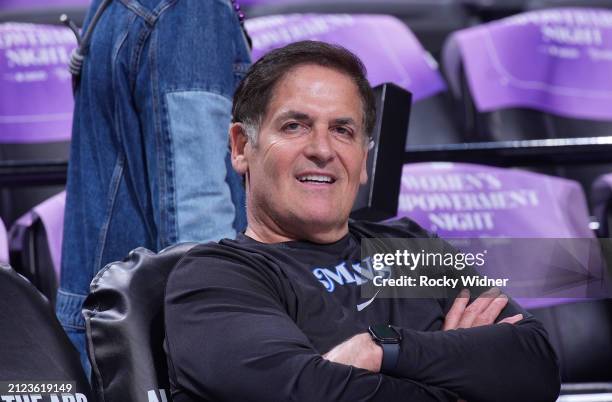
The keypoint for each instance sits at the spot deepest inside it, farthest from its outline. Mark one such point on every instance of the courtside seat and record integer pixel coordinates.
(508, 92)
(451, 199)
(125, 326)
(430, 20)
(34, 345)
(35, 244)
(538, 90)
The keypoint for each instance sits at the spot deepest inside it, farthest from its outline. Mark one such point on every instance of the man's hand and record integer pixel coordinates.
(359, 351)
(483, 311)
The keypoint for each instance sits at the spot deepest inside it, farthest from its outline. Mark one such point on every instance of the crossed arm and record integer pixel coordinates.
(472, 357)
(361, 351)
(229, 338)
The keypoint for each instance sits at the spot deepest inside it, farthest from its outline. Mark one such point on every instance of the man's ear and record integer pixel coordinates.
(238, 142)
(363, 176)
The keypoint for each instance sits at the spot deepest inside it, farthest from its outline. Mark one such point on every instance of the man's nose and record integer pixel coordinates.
(320, 146)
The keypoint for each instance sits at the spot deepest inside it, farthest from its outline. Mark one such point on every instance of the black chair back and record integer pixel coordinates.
(125, 326)
(33, 345)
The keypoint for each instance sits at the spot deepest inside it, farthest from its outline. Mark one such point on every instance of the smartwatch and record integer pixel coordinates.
(389, 339)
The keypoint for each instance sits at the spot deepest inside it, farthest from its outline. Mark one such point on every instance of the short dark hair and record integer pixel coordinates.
(254, 92)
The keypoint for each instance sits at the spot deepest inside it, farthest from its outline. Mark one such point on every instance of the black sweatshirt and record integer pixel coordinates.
(248, 321)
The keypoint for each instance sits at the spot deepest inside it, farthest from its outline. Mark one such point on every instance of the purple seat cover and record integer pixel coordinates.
(458, 200)
(9, 5)
(35, 85)
(4, 257)
(389, 50)
(555, 60)
(494, 202)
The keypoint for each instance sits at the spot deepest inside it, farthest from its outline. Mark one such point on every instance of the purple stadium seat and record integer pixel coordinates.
(565, 276)
(456, 200)
(402, 61)
(430, 20)
(36, 244)
(466, 200)
(36, 103)
(43, 11)
(555, 84)
(4, 255)
(37, 4)
(572, 43)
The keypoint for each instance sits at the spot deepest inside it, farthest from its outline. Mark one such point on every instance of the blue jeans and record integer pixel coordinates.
(149, 164)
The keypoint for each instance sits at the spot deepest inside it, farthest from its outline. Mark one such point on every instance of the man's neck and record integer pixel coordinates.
(273, 234)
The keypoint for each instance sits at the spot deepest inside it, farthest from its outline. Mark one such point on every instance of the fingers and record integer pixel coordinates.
(512, 320)
(483, 311)
(456, 311)
(478, 306)
(490, 314)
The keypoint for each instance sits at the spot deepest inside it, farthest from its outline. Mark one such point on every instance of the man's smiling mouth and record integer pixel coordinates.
(316, 179)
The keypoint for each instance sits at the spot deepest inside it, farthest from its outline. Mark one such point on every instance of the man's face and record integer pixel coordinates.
(304, 172)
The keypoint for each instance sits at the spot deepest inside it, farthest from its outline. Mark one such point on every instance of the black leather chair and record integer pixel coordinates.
(33, 345)
(125, 326)
(581, 334)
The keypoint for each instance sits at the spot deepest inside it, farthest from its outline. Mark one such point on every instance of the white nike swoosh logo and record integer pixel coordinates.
(365, 304)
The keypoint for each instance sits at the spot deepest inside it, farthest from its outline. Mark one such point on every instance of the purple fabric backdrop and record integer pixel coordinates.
(4, 257)
(35, 86)
(390, 52)
(556, 60)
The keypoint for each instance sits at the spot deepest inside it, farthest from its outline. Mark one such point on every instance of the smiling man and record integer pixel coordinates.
(259, 319)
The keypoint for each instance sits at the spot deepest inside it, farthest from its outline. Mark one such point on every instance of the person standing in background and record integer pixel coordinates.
(149, 163)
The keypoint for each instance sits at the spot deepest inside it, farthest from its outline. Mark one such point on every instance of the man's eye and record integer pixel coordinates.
(292, 127)
(343, 131)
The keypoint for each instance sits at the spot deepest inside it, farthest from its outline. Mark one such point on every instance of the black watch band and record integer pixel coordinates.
(391, 353)
(389, 339)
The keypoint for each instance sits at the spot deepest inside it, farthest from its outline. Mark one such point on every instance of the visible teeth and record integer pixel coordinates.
(316, 178)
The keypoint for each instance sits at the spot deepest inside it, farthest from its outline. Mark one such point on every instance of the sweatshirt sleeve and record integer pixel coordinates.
(500, 362)
(228, 337)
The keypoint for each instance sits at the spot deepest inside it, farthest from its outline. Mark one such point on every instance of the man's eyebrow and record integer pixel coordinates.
(348, 121)
(292, 114)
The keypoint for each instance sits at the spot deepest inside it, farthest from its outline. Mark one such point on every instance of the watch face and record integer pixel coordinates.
(385, 333)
